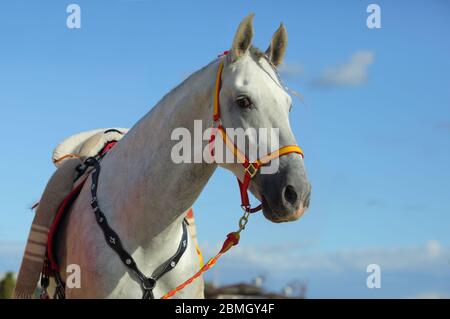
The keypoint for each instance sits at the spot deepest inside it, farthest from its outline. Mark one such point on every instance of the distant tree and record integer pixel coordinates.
(7, 285)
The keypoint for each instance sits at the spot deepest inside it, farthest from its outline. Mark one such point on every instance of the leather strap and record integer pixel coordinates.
(250, 169)
(113, 241)
(111, 237)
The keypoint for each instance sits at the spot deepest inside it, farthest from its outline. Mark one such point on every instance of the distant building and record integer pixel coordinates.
(244, 291)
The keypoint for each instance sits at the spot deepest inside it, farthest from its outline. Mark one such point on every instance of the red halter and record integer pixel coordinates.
(250, 169)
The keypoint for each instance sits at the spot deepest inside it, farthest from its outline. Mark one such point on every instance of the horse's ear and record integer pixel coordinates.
(277, 47)
(243, 38)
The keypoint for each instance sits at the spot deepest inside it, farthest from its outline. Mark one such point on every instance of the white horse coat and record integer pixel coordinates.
(144, 194)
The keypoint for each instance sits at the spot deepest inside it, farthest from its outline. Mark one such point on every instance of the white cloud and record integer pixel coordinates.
(434, 248)
(354, 72)
(429, 257)
(291, 70)
(407, 272)
(429, 295)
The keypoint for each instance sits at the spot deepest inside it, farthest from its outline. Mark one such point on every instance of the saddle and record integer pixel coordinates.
(85, 144)
(62, 189)
(68, 156)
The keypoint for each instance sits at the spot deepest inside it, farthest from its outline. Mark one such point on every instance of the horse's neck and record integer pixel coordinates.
(141, 190)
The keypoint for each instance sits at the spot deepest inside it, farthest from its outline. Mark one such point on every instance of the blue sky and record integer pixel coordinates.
(374, 124)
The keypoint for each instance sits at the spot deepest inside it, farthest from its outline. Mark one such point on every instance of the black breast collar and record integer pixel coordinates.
(113, 240)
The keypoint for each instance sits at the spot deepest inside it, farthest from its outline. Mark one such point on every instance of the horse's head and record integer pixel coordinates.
(252, 96)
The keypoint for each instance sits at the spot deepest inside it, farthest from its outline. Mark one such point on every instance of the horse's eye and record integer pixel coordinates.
(243, 102)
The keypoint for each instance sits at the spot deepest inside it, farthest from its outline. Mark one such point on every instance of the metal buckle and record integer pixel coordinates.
(148, 283)
(251, 170)
(90, 161)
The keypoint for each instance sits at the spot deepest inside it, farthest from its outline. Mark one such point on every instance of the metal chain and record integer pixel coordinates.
(244, 219)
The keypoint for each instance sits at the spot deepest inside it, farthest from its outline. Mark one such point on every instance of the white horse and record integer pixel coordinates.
(144, 194)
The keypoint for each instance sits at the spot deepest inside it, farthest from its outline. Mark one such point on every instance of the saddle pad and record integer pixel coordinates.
(86, 144)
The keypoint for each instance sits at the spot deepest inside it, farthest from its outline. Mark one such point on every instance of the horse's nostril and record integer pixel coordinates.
(290, 195)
